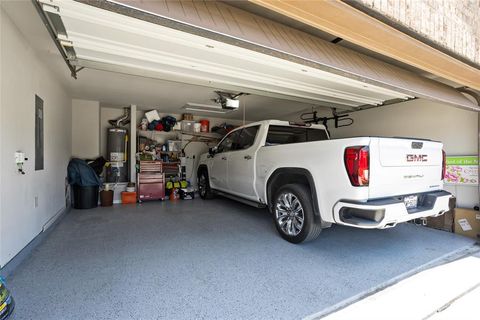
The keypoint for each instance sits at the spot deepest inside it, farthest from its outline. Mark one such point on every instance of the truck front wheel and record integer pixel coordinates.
(204, 185)
(293, 214)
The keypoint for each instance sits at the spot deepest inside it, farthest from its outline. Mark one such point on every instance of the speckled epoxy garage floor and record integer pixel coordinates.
(207, 260)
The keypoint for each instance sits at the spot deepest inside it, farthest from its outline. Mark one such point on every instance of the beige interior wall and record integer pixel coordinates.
(85, 132)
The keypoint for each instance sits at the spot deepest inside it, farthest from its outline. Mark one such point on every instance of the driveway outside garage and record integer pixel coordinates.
(207, 260)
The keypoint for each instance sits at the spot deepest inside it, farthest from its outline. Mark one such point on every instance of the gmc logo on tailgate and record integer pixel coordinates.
(417, 157)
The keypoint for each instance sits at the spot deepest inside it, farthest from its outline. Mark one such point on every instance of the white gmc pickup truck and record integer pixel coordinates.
(309, 182)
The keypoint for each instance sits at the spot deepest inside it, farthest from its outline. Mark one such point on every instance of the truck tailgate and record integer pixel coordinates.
(402, 166)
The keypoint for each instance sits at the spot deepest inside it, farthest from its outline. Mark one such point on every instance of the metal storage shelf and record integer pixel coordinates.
(211, 135)
(209, 138)
(157, 132)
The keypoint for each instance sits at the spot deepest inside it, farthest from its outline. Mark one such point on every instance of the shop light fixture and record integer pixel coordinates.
(211, 108)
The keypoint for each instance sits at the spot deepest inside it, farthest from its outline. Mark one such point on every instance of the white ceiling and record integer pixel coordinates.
(115, 89)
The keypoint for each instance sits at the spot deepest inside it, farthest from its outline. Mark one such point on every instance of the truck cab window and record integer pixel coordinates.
(247, 138)
(229, 142)
(285, 135)
(316, 134)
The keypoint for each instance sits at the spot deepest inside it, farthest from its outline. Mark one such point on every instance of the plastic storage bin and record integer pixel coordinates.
(85, 197)
(188, 126)
(129, 197)
(174, 145)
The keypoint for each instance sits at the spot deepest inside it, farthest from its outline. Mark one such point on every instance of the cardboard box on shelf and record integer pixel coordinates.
(467, 223)
(152, 115)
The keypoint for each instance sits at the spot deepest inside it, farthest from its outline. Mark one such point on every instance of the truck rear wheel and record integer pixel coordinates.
(293, 214)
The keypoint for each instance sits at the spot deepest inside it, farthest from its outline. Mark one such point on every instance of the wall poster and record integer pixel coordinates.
(462, 170)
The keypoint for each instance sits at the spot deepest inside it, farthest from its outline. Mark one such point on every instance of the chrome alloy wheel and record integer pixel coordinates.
(289, 214)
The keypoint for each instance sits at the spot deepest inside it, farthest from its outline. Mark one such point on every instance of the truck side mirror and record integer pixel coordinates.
(212, 151)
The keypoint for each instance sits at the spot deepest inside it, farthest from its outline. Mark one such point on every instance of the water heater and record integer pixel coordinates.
(117, 144)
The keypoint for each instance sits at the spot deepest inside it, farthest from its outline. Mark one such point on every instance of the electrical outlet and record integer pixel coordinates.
(35, 203)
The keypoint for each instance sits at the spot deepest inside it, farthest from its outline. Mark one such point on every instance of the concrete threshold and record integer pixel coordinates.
(420, 293)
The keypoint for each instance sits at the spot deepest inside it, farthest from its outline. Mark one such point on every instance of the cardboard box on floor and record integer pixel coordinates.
(445, 221)
(467, 223)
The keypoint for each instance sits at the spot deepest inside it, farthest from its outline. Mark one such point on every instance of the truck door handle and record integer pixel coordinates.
(224, 158)
(247, 157)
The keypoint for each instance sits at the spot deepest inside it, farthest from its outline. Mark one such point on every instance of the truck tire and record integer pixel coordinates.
(293, 214)
(204, 189)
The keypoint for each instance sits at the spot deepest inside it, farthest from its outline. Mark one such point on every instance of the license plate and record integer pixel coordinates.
(410, 202)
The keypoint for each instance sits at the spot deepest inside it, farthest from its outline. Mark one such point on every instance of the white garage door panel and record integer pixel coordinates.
(214, 75)
(168, 45)
(230, 68)
(102, 36)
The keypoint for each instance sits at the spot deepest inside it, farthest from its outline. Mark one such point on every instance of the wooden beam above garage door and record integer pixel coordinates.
(344, 21)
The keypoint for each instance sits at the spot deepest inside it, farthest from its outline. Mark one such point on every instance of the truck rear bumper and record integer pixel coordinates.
(387, 212)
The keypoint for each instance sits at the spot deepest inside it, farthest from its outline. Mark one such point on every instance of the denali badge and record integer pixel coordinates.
(413, 176)
(417, 145)
(417, 158)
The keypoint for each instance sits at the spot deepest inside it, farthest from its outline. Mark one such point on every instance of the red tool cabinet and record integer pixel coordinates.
(151, 181)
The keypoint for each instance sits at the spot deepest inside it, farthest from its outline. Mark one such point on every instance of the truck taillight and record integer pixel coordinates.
(444, 164)
(357, 164)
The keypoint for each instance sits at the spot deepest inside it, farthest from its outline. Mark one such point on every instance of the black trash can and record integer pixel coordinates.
(85, 197)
